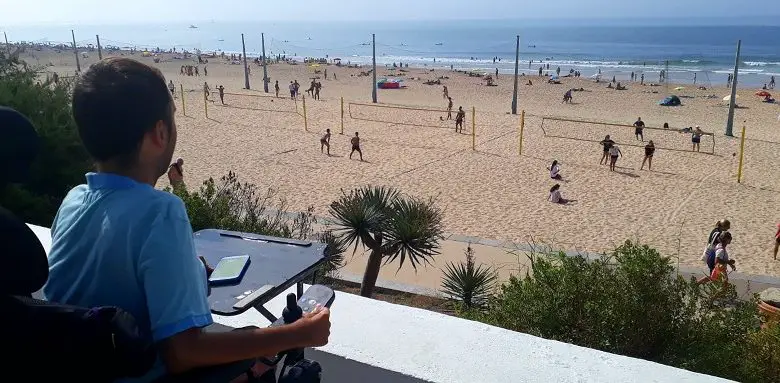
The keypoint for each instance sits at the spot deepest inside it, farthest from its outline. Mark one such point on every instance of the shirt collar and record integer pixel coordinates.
(111, 181)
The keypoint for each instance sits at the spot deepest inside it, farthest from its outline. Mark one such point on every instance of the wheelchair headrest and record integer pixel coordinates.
(25, 267)
(18, 146)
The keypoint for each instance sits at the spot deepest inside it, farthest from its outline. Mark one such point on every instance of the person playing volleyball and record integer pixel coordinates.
(356, 146)
(459, 120)
(325, 141)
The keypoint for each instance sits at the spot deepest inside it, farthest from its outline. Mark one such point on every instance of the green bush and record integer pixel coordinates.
(62, 161)
(633, 303)
(468, 284)
(232, 205)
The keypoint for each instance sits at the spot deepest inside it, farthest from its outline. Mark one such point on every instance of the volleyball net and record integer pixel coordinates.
(424, 117)
(623, 134)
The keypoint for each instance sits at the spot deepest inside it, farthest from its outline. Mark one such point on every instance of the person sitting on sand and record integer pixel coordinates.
(619, 87)
(649, 151)
(529, 82)
(325, 141)
(696, 138)
(607, 144)
(614, 153)
(555, 195)
(609, 86)
(555, 170)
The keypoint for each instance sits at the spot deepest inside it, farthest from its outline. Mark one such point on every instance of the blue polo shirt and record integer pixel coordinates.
(117, 242)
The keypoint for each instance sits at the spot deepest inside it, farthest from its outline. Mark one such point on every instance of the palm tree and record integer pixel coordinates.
(390, 225)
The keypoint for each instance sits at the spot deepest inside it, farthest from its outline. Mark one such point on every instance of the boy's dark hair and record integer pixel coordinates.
(115, 103)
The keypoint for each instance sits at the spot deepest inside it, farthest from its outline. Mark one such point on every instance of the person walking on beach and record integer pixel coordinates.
(696, 138)
(176, 173)
(720, 260)
(276, 88)
(708, 256)
(614, 153)
(221, 90)
(496, 73)
(355, 141)
(325, 141)
(606, 143)
(326, 74)
(292, 91)
(206, 90)
(317, 87)
(449, 108)
(445, 92)
(172, 88)
(642, 81)
(459, 120)
(772, 82)
(694, 78)
(297, 88)
(649, 151)
(639, 126)
(205, 70)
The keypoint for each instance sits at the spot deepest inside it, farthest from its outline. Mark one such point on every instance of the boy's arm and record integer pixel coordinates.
(197, 348)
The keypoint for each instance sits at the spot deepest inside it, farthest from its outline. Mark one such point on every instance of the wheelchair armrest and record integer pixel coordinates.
(222, 373)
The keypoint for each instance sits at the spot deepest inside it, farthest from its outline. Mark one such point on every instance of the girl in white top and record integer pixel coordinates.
(555, 170)
(555, 195)
(614, 152)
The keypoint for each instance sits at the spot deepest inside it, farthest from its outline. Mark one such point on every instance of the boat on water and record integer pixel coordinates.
(193, 27)
(439, 43)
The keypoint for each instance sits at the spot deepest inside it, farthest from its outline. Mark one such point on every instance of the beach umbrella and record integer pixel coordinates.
(728, 98)
(763, 93)
(679, 88)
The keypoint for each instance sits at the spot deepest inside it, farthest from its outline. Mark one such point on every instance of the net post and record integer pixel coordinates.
(473, 128)
(206, 104)
(522, 127)
(305, 120)
(183, 104)
(342, 115)
(741, 154)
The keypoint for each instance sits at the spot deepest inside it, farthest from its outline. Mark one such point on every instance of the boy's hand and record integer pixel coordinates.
(315, 327)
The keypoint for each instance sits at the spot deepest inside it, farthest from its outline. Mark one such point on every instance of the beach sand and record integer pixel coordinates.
(493, 192)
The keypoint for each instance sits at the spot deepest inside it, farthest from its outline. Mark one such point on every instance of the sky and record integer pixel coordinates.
(95, 12)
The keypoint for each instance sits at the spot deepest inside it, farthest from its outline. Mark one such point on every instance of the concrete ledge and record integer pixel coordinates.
(378, 342)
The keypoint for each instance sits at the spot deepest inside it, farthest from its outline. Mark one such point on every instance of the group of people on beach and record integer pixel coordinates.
(192, 70)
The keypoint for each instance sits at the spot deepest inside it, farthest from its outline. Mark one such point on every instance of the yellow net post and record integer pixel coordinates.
(522, 127)
(305, 120)
(205, 104)
(473, 128)
(342, 115)
(183, 104)
(741, 153)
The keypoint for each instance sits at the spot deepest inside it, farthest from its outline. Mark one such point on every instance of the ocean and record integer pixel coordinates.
(707, 51)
